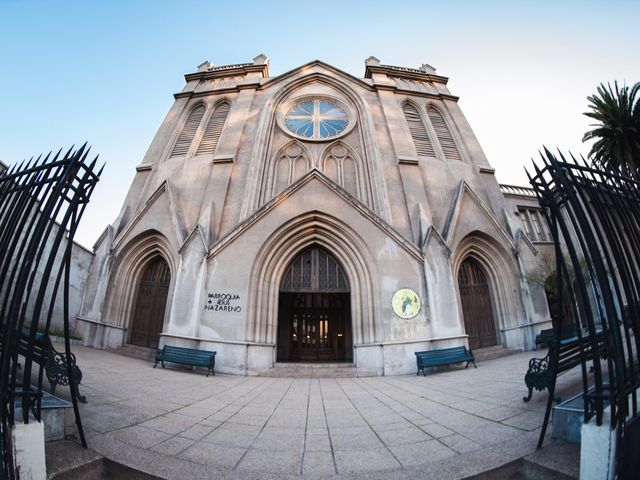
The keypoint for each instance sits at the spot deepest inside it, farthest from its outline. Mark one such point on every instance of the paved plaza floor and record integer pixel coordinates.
(179, 424)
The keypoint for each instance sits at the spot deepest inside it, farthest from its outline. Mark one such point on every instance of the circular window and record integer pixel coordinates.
(316, 119)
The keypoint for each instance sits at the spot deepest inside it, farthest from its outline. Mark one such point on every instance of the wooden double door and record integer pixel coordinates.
(476, 305)
(314, 313)
(150, 304)
(314, 327)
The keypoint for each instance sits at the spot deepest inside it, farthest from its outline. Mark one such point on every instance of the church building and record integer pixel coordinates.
(316, 216)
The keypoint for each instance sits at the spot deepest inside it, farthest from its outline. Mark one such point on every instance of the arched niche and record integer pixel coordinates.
(131, 263)
(498, 269)
(321, 231)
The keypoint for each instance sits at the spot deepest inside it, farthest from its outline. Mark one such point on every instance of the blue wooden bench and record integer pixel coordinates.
(443, 356)
(186, 356)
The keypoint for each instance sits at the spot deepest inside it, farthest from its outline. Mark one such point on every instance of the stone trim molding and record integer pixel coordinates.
(223, 159)
(408, 160)
(218, 340)
(524, 325)
(405, 342)
(98, 322)
(404, 72)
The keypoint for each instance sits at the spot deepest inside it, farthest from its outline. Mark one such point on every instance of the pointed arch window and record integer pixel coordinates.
(445, 138)
(418, 131)
(291, 164)
(314, 270)
(340, 165)
(213, 130)
(188, 132)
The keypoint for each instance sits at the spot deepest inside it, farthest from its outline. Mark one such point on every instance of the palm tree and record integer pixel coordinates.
(617, 133)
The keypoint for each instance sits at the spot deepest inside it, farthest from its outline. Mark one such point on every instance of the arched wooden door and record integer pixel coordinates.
(476, 305)
(150, 304)
(314, 322)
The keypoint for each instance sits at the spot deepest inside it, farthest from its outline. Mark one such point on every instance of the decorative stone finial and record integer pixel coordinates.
(261, 59)
(204, 66)
(425, 67)
(371, 61)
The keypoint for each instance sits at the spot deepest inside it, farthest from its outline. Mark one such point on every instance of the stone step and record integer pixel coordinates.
(490, 353)
(312, 370)
(319, 374)
(312, 366)
(67, 460)
(521, 469)
(134, 351)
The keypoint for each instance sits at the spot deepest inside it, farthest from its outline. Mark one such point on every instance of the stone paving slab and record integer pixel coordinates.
(176, 423)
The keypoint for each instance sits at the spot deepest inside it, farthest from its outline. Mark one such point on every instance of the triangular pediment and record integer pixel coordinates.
(161, 204)
(469, 213)
(298, 192)
(319, 69)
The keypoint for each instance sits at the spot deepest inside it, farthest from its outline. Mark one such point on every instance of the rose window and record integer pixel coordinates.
(316, 119)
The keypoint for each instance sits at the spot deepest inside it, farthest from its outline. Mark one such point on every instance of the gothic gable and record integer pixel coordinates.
(316, 192)
(469, 213)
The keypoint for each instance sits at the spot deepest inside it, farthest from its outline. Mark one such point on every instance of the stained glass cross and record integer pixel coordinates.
(316, 119)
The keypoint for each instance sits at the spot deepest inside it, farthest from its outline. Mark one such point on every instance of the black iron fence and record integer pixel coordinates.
(41, 203)
(594, 216)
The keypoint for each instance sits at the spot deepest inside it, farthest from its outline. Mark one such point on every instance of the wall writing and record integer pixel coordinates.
(223, 302)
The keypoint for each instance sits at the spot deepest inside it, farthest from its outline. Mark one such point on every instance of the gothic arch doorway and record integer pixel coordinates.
(475, 298)
(150, 304)
(314, 319)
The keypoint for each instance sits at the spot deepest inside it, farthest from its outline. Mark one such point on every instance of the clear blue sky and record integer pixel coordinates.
(104, 72)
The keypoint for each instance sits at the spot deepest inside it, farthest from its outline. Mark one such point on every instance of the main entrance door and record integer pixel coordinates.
(476, 305)
(150, 304)
(314, 310)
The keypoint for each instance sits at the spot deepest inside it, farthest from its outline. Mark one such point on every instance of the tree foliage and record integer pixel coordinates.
(617, 133)
(544, 275)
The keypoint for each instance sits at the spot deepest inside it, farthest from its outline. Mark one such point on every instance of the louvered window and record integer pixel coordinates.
(188, 132)
(213, 130)
(444, 135)
(418, 131)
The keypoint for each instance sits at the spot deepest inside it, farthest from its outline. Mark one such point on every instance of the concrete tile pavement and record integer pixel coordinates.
(176, 423)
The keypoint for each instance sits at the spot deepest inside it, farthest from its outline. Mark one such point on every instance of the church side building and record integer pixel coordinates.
(314, 216)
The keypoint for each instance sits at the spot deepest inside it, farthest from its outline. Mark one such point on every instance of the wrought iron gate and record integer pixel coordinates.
(594, 216)
(41, 203)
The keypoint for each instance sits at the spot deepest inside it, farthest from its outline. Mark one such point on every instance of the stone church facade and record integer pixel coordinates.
(315, 216)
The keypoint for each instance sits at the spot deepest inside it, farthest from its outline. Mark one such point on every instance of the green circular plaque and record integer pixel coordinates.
(406, 303)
